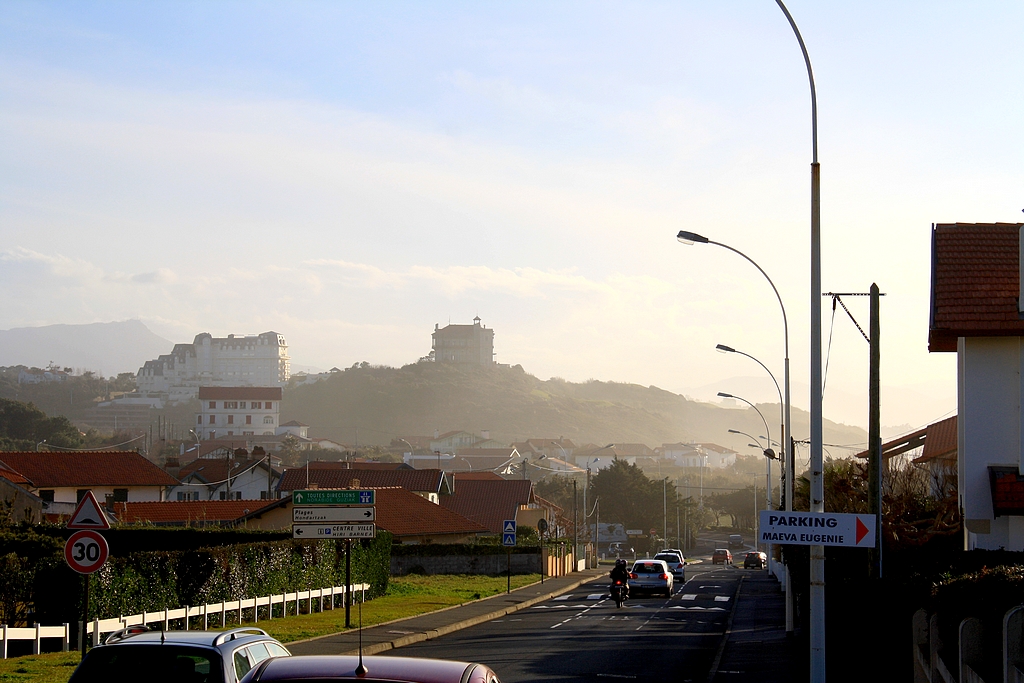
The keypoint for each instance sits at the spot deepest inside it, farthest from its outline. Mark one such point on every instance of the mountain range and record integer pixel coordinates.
(105, 348)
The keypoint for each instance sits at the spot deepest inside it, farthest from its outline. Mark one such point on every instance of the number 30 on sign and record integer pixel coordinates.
(86, 551)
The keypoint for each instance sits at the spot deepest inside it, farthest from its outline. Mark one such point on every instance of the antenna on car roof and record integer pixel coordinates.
(361, 669)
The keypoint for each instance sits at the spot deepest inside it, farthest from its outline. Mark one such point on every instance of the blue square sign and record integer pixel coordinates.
(508, 526)
(508, 539)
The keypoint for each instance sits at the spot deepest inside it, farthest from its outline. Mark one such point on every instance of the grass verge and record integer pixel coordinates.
(407, 596)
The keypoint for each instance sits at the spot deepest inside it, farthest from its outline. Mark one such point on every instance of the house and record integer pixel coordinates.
(463, 344)
(17, 503)
(977, 312)
(940, 454)
(259, 360)
(62, 479)
(683, 454)
(561, 448)
(227, 475)
(452, 442)
(429, 484)
(717, 456)
(490, 502)
(191, 513)
(294, 428)
(241, 411)
(592, 456)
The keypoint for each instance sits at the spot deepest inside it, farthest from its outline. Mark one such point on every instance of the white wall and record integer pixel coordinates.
(989, 428)
(136, 494)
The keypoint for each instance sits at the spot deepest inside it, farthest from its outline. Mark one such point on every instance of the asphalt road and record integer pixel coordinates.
(584, 636)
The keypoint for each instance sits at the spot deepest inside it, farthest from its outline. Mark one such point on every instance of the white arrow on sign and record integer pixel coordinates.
(333, 514)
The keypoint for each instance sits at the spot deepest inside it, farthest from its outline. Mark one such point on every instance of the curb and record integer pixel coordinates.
(459, 625)
(728, 631)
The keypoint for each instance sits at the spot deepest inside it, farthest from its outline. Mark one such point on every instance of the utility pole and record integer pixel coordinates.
(575, 527)
(875, 464)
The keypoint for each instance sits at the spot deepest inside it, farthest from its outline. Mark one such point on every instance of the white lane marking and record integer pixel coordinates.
(689, 596)
(563, 597)
(721, 598)
(580, 614)
(698, 609)
(596, 596)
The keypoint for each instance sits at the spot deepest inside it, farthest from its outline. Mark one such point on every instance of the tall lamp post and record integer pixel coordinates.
(787, 441)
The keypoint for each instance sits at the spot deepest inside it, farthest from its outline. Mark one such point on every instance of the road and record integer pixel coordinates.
(583, 635)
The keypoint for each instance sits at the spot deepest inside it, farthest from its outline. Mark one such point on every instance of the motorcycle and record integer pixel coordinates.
(619, 592)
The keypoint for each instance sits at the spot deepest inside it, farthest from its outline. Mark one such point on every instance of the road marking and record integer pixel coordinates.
(596, 596)
(721, 598)
(563, 597)
(689, 596)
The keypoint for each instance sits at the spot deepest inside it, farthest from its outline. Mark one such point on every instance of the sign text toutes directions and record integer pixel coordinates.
(334, 497)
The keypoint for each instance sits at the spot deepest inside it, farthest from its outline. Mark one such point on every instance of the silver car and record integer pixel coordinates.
(139, 653)
(651, 576)
(675, 564)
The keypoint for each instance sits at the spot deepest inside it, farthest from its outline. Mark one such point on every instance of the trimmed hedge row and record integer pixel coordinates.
(34, 573)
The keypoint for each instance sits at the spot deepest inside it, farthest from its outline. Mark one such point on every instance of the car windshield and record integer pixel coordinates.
(157, 663)
(667, 558)
(648, 568)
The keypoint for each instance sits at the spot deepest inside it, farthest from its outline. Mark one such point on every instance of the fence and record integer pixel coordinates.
(930, 653)
(166, 616)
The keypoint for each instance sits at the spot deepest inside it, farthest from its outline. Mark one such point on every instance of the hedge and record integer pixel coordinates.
(152, 580)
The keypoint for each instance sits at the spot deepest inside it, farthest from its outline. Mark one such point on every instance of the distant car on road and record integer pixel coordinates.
(619, 548)
(139, 653)
(392, 669)
(755, 560)
(675, 563)
(652, 576)
(721, 556)
(735, 541)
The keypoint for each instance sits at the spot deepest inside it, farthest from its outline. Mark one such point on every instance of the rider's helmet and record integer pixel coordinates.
(621, 563)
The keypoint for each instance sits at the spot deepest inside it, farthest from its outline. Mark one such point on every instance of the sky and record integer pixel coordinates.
(351, 174)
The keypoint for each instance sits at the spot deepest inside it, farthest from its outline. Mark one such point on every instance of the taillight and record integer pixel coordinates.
(679, 566)
(633, 575)
(618, 583)
(664, 576)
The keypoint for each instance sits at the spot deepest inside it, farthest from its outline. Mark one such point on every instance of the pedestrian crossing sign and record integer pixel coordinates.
(508, 539)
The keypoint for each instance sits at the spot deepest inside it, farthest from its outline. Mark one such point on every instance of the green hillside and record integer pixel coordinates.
(372, 405)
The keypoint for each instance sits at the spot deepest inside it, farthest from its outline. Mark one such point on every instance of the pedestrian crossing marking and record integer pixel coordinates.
(721, 598)
(689, 596)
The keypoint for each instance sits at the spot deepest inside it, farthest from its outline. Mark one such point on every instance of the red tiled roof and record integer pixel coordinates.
(975, 283)
(240, 393)
(940, 441)
(216, 469)
(12, 476)
(476, 476)
(489, 502)
(355, 465)
(326, 476)
(91, 468)
(403, 513)
(187, 511)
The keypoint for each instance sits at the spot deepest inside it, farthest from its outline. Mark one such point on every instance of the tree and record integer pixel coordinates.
(22, 426)
(630, 498)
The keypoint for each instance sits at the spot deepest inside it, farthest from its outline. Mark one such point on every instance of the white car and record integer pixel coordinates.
(652, 576)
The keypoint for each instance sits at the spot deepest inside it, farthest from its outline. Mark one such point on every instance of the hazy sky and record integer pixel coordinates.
(350, 174)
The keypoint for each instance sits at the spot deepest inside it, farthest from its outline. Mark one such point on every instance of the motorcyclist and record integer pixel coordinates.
(620, 573)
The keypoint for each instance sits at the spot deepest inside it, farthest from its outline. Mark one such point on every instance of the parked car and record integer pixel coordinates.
(392, 669)
(721, 556)
(652, 576)
(755, 560)
(675, 563)
(138, 652)
(619, 548)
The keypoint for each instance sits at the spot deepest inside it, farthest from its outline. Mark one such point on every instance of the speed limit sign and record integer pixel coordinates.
(86, 551)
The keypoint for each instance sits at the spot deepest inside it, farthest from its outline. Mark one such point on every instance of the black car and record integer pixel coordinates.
(755, 560)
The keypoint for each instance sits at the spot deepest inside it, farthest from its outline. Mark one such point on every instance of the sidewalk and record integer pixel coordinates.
(394, 634)
(756, 641)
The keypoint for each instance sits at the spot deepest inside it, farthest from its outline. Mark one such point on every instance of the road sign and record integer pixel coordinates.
(318, 531)
(508, 526)
(817, 528)
(634, 532)
(508, 539)
(88, 514)
(334, 497)
(86, 551)
(319, 513)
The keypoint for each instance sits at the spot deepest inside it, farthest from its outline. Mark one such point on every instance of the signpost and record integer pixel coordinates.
(508, 539)
(817, 528)
(343, 514)
(86, 550)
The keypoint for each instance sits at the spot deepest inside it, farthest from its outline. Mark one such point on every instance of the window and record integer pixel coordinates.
(241, 404)
(46, 495)
(231, 419)
(242, 665)
(268, 406)
(213, 419)
(268, 420)
(248, 419)
(120, 495)
(80, 494)
(231, 404)
(256, 405)
(199, 419)
(213, 405)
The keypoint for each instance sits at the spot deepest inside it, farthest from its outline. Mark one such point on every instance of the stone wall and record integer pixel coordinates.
(492, 565)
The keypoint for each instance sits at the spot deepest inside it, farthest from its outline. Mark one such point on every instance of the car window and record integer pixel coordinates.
(257, 653)
(161, 663)
(648, 568)
(242, 664)
(278, 651)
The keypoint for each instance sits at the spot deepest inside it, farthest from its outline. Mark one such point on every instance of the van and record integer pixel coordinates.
(735, 541)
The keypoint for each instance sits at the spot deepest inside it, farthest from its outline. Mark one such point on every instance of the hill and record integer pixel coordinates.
(372, 405)
(105, 348)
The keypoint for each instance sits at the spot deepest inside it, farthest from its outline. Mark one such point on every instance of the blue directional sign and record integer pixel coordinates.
(508, 539)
